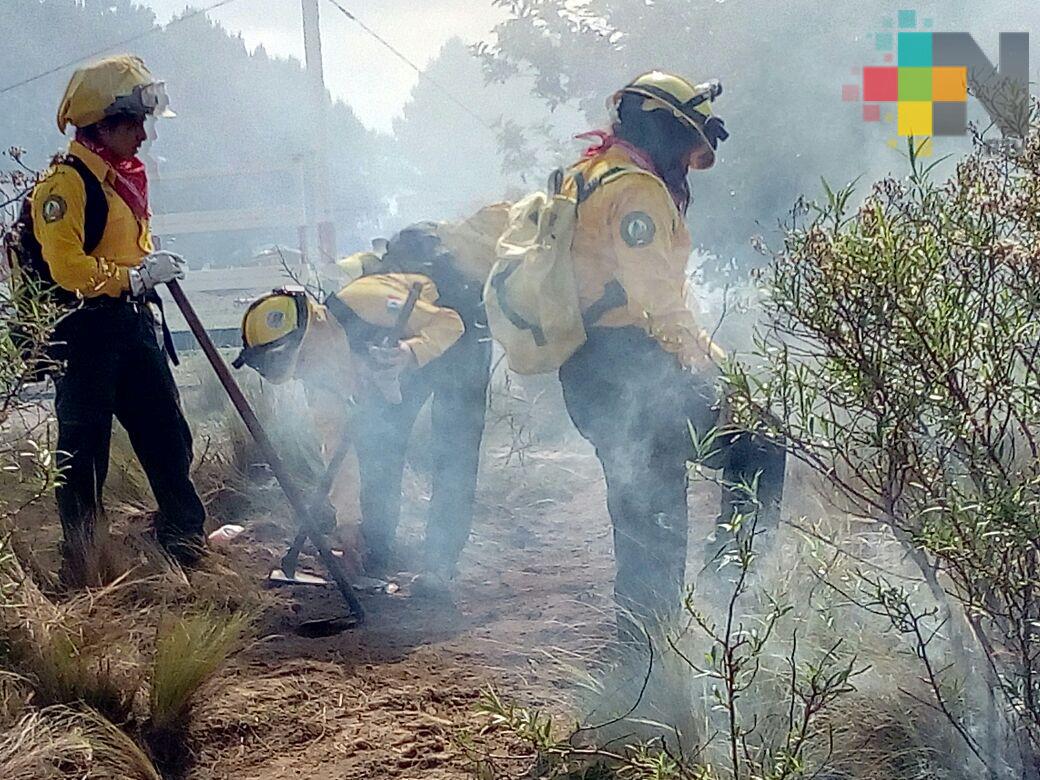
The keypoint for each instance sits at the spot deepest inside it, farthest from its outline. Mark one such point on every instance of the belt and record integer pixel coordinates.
(108, 301)
(139, 303)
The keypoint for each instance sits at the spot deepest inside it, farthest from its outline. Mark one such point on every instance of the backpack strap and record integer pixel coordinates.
(359, 332)
(585, 189)
(498, 281)
(95, 216)
(614, 295)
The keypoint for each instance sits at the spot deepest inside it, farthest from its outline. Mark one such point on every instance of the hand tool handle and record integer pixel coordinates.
(404, 314)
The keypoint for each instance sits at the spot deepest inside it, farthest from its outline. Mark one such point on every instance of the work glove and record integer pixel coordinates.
(157, 268)
(396, 358)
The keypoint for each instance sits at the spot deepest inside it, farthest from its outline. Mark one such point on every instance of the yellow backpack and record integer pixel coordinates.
(531, 295)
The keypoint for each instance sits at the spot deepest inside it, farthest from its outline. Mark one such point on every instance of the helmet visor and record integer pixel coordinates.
(276, 361)
(145, 100)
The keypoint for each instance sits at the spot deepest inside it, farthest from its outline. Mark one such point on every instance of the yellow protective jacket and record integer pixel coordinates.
(630, 230)
(58, 209)
(327, 367)
(472, 241)
(431, 329)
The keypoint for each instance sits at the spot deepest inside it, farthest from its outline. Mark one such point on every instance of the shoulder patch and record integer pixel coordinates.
(53, 209)
(638, 229)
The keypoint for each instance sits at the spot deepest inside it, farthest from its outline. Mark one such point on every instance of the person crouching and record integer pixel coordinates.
(343, 352)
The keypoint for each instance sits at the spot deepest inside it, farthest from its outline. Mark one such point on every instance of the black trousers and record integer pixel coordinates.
(116, 367)
(458, 382)
(635, 404)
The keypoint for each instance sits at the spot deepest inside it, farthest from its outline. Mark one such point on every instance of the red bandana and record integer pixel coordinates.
(605, 141)
(131, 177)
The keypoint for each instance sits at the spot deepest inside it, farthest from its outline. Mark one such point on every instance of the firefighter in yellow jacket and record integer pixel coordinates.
(457, 257)
(647, 370)
(338, 351)
(90, 219)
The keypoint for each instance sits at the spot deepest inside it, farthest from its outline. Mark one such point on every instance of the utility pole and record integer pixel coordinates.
(320, 231)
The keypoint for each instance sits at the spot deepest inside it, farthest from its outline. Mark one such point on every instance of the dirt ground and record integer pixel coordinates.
(389, 699)
(384, 700)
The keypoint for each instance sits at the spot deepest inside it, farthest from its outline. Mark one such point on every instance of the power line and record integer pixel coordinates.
(115, 45)
(212, 7)
(422, 74)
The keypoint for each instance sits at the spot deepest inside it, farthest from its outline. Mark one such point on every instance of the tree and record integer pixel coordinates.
(455, 140)
(237, 110)
(782, 66)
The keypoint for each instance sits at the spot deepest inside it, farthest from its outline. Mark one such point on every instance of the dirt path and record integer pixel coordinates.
(382, 701)
(389, 699)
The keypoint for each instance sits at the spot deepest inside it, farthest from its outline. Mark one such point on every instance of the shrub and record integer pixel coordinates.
(900, 361)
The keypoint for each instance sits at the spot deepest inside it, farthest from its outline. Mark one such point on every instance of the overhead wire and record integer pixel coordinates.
(212, 7)
(115, 45)
(421, 73)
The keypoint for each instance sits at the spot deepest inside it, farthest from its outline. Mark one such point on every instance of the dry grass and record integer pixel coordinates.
(189, 651)
(884, 735)
(61, 742)
(91, 655)
(46, 645)
(65, 671)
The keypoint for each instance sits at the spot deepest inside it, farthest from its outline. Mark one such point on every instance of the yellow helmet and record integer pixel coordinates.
(687, 102)
(109, 87)
(273, 328)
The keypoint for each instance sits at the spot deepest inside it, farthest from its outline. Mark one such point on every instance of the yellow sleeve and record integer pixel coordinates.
(430, 330)
(651, 267)
(58, 210)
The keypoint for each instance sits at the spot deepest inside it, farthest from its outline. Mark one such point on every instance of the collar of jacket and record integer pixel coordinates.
(605, 142)
(93, 161)
(624, 155)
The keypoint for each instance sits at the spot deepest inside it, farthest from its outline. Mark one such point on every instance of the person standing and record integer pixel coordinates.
(90, 218)
(647, 371)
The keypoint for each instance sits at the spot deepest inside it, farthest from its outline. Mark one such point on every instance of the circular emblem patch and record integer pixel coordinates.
(275, 319)
(638, 229)
(53, 208)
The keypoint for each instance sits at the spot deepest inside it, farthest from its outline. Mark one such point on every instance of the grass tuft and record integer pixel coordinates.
(189, 651)
(63, 671)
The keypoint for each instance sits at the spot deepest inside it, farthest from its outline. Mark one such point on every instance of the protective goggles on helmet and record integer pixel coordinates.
(274, 359)
(145, 100)
(663, 92)
(714, 131)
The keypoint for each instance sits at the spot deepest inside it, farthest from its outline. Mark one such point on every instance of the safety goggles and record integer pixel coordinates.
(144, 100)
(714, 130)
